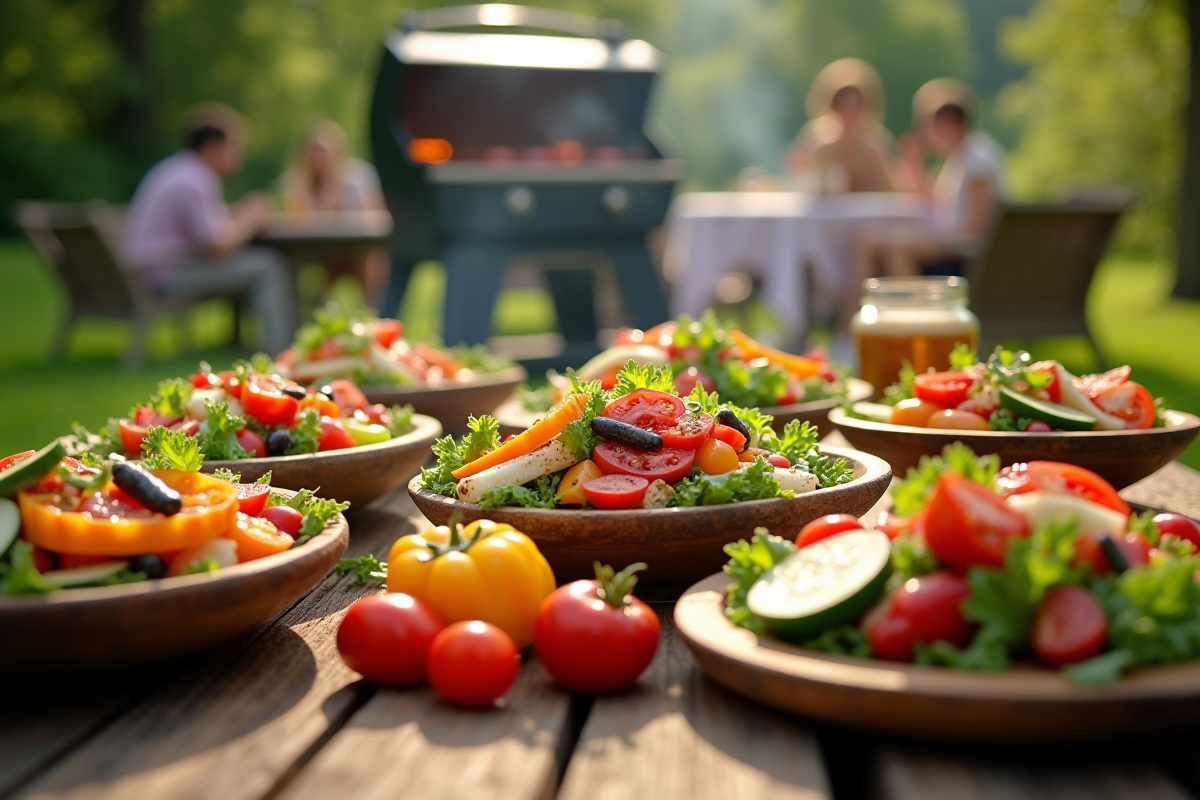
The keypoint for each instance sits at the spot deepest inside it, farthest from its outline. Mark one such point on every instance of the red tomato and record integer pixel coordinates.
(472, 663)
(378, 413)
(967, 524)
(1133, 546)
(751, 454)
(945, 389)
(285, 518)
(348, 396)
(132, 436)
(591, 644)
(149, 418)
(895, 526)
(333, 436)
(953, 419)
(689, 431)
(1069, 626)
(71, 561)
(330, 348)
(824, 527)
(1037, 426)
(387, 331)
(686, 381)
(1054, 390)
(608, 380)
(1130, 401)
(204, 380)
(263, 399)
(1055, 476)
(730, 436)
(188, 427)
(1178, 525)
(43, 560)
(8, 461)
(647, 409)
(615, 492)
(230, 383)
(252, 443)
(776, 460)
(669, 463)
(1093, 385)
(385, 638)
(981, 404)
(925, 609)
(252, 500)
(630, 336)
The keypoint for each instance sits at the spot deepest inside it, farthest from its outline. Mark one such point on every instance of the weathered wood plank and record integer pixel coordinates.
(1175, 487)
(234, 723)
(679, 735)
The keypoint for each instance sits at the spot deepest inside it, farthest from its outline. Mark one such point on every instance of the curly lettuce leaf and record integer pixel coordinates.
(305, 434)
(747, 563)
(167, 449)
(578, 435)
(483, 436)
(634, 376)
(401, 420)
(757, 482)
(171, 397)
(912, 494)
(798, 444)
(219, 440)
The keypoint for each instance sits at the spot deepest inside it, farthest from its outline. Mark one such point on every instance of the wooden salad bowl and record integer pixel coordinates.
(356, 475)
(515, 418)
(1026, 704)
(679, 545)
(452, 402)
(84, 630)
(1120, 457)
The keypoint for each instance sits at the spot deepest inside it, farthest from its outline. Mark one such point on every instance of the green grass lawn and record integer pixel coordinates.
(1129, 308)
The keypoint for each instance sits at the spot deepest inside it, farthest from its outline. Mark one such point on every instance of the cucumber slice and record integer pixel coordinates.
(875, 411)
(26, 473)
(829, 583)
(1053, 414)
(10, 523)
(79, 576)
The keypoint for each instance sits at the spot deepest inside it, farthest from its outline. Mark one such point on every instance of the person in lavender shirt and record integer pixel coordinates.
(185, 241)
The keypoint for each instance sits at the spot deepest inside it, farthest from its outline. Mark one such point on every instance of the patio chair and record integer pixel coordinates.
(1033, 276)
(79, 242)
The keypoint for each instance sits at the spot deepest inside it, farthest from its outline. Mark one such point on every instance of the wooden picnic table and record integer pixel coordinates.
(275, 714)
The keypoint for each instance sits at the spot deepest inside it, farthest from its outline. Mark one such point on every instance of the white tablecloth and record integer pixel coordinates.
(776, 236)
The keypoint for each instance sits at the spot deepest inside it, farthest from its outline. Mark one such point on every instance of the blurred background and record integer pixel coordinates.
(92, 91)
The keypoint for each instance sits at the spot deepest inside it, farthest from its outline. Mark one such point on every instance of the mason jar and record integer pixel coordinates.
(918, 320)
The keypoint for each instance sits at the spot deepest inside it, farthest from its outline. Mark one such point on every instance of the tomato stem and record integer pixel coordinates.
(615, 588)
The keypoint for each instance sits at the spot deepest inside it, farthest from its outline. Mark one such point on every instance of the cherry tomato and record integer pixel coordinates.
(776, 460)
(132, 436)
(385, 638)
(1055, 476)
(895, 526)
(472, 663)
(730, 436)
(378, 413)
(263, 399)
(252, 443)
(943, 389)
(647, 409)
(1178, 525)
(188, 427)
(333, 436)
(615, 492)
(387, 331)
(1130, 402)
(669, 463)
(8, 461)
(230, 383)
(689, 432)
(1093, 385)
(716, 458)
(953, 419)
(914, 412)
(1037, 426)
(257, 538)
(285, 518)
(967, 524)
(1133, 547)
(330, 348)
(1054, 389)
(594, 644)
(149, 418)
(751, 454)
(348, 396)
(686, 381)
(1069, 626)
(824, 527)
(924, 609)
(252, 498)
(204, 380)
(982, 404)
(325, 408)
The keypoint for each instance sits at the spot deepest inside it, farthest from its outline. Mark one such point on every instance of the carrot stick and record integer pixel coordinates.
(527, 441)
(799, 366)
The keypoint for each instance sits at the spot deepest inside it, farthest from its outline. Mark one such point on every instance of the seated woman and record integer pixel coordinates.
(323, 179)
(961, 200)
(843, 148)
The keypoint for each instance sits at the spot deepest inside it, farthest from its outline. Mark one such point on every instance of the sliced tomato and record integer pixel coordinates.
(132, 436)
(330, 348)
(689, 432)
(615, 492)
(967, 524)
(252, 443)
(1054, 389)
(687, 379)
(670, 464)
(945, 389)
(326, 408)
(147, 416)
(648, 409)
(982, 404)
(333, 436)
(348, 396)
(252, 498)
(1055, 476)
(1069, 626)
(263, 398)
(776, 460)
(387, 331)
(8, 461)
(824, 527)
(230, 383)
(1133, 546)
(608, 379)
(1129, 401)
(895, 526)
(1093, 385)
(204, 380)
(257, 538)
(730, 436)
(188, 427)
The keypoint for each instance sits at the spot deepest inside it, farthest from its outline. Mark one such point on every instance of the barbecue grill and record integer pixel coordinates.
(508, 143)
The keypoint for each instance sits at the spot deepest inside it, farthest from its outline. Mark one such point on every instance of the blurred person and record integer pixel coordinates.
(323, 179)
(843, 147)
(961, 200)
(185, 241)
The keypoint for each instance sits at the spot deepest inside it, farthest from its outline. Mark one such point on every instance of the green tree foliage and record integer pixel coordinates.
(1102, 103)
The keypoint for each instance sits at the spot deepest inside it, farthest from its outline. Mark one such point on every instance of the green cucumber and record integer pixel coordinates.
(1053, 414)
(829, 583)
(28, 472)
(873, 411)
(10, 523)
(366, 432)
(81, 576)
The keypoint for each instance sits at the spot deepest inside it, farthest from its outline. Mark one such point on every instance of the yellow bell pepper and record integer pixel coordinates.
(486, 571)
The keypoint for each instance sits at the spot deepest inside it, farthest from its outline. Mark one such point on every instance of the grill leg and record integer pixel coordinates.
(574, 304)
(639, 282)
(473, 276)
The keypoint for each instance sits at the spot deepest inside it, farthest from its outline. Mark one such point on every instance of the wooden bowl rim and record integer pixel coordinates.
(336, 529)
(425, 429)
(874, 468)
(1177, 422)
(701, 621)
(514, 374)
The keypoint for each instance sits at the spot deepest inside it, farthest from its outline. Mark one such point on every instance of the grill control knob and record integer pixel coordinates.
(519, 200)
(616, 200)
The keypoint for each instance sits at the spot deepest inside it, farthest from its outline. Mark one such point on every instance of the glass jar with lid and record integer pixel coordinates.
(918, 320)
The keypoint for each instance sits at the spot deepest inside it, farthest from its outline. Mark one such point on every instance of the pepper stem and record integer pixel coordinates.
(615, 588)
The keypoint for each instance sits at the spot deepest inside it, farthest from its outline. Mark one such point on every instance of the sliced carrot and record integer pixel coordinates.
(799, 366)
(528, 441)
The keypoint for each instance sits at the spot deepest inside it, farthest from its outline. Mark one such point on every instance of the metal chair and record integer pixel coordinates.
(1033, 276)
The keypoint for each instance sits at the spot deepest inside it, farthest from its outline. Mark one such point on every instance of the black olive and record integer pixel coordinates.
(278, 443)
(730, 420)
(294, 391)
(141, 485)
(153, 566)
(326, 390)
(626, 434)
